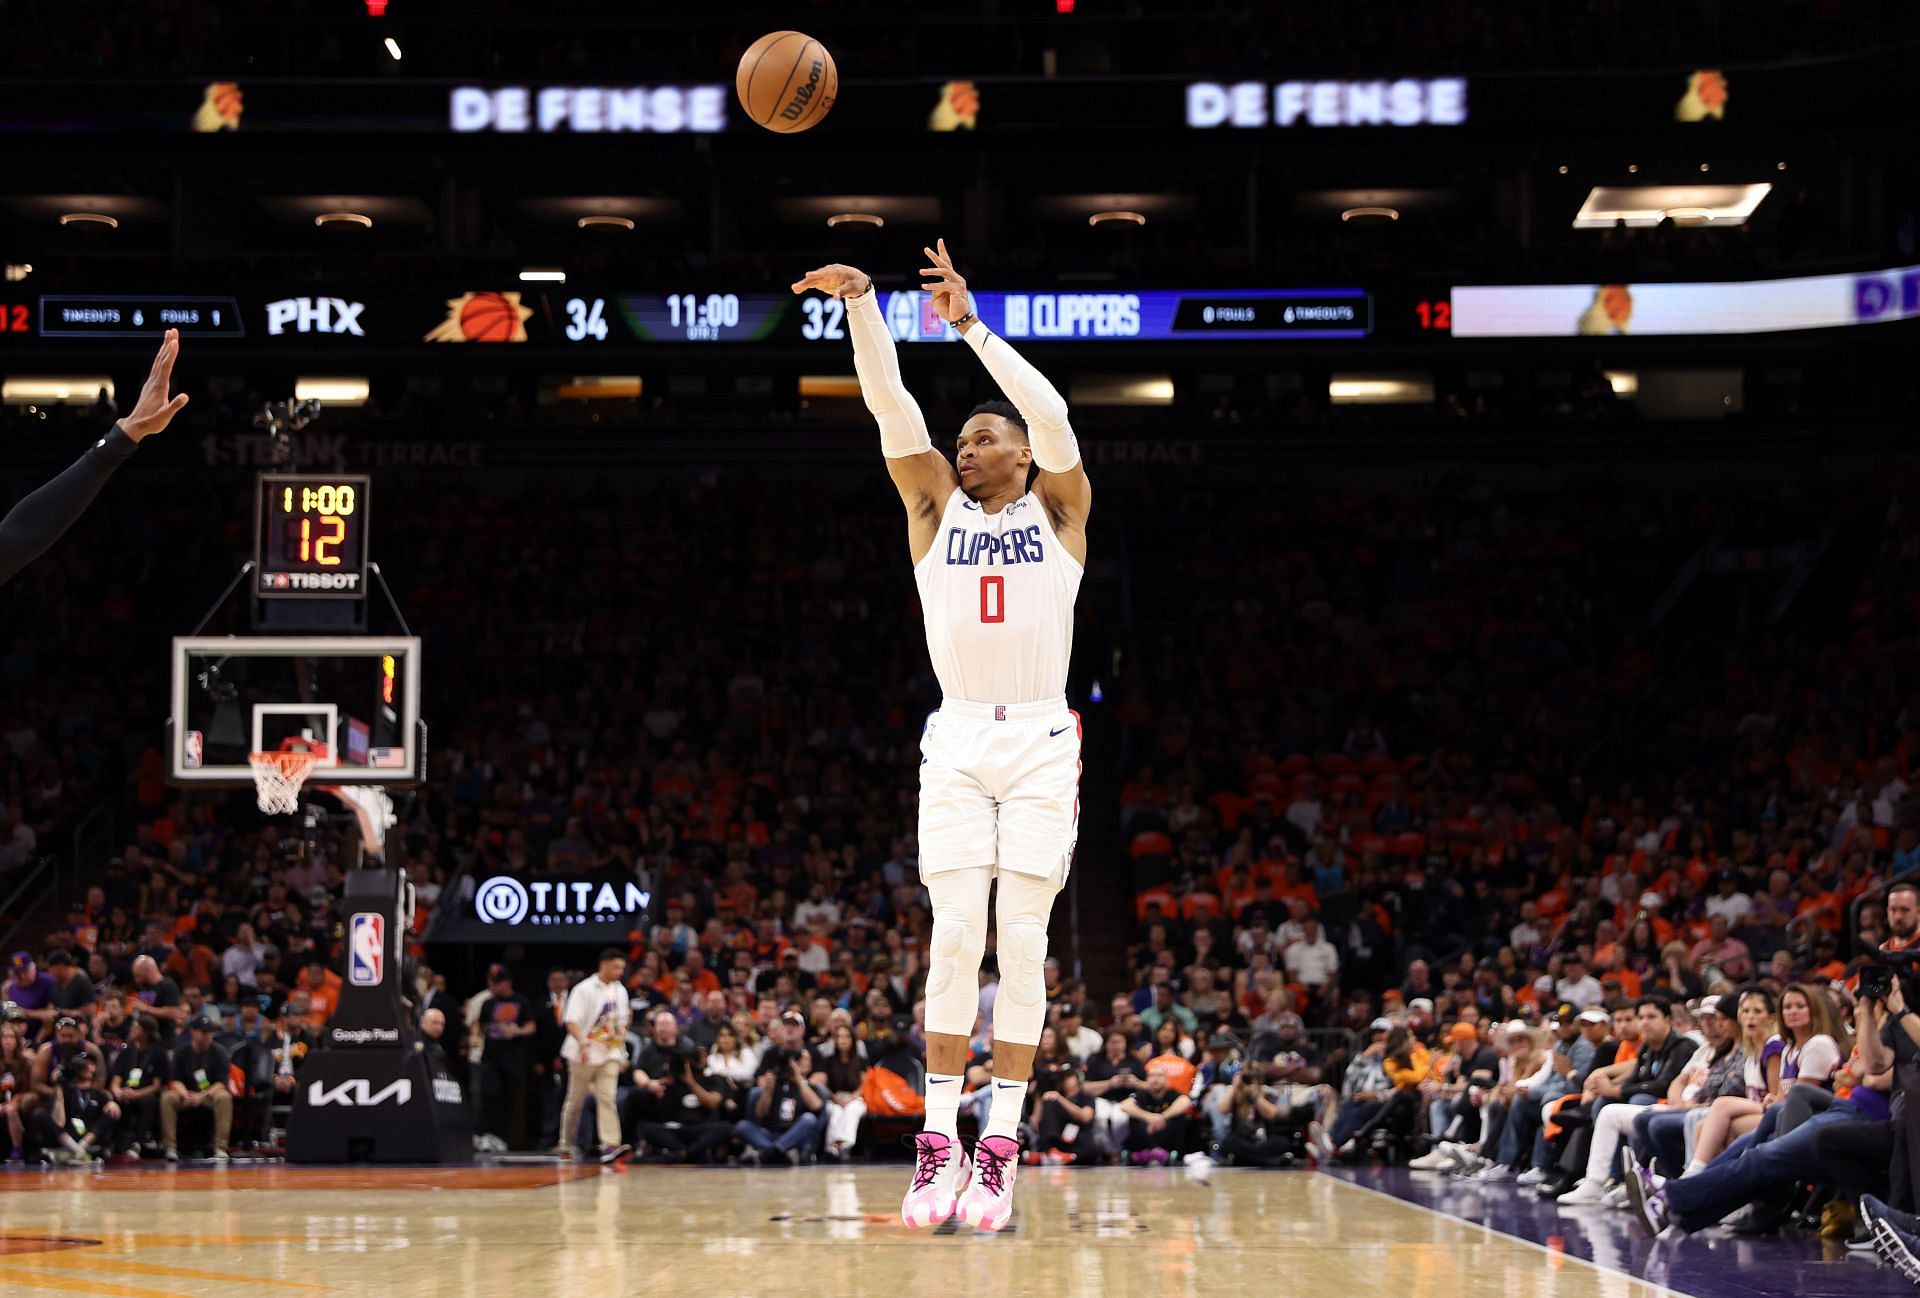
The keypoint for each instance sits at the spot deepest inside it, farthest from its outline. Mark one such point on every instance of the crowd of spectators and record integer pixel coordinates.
(1355, 788)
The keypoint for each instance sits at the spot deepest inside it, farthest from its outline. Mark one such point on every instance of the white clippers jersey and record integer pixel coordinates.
(998, 592)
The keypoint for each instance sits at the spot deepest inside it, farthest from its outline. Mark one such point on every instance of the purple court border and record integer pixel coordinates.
(1712, 1264)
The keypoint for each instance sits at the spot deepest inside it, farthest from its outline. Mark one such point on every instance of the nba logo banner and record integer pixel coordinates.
(366, 949)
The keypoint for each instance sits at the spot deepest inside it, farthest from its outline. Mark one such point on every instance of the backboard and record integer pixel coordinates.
(358, 695)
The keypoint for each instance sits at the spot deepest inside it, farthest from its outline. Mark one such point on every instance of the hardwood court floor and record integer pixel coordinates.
(549, 1232)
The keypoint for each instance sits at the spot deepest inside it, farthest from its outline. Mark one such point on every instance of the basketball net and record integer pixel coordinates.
(278, 775)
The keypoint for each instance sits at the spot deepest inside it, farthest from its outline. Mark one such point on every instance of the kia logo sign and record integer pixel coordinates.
(505, 900)
(358, 1093)
(1407, 102)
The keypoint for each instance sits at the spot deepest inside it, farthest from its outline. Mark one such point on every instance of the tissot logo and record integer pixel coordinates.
(315, 315)
(358, 1093)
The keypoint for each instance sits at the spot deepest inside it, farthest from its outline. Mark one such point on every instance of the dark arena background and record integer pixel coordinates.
(1496, 659)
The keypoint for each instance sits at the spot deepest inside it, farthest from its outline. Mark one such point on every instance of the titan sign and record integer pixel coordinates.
(1407, 102)
(507, 901)
(589, 109)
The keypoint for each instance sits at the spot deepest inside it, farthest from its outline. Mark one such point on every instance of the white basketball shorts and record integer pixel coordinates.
(1000, 786)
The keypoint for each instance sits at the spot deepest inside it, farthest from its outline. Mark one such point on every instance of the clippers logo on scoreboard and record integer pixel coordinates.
(367, 949)
(315, 315)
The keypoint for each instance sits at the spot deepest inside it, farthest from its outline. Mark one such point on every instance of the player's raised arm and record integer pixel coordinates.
(924, 476)
(31, 528)
(1062, 484)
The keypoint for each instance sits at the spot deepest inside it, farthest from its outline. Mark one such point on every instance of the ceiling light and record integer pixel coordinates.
(1119, 216)
(1563, 168)
(1648, 205)
(1370, 214)
(337, 392)
(543, 277)
(344, 218)
(600, 387)
(393, 48)
(1380, 389)
(606, 222)
(81, 391)
(17, 271)
(830, 386)
(855, 218)
(1625, 383)
(1704, 167)
(1633, 168)
(1779, 166)
(1121, 390)
(89, 218)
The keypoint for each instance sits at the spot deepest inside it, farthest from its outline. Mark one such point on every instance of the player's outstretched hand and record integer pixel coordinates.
(944, 283)
(835, 281)
(154, 410)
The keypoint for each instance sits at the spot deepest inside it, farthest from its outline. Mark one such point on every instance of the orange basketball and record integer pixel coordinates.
(786, 81)
(489, 318)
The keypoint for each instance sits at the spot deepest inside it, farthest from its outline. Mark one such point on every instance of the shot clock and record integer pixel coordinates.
(312, 536)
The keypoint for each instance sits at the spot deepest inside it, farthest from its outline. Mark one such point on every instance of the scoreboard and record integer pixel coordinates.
(344, 319)
(311, 536)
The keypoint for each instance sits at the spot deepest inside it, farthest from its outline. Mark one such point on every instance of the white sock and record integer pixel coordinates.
(1694, 1169)
(943, 1105)
(1009, 1106)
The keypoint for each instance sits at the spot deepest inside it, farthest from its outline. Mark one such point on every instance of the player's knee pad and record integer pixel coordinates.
(953, 975)
(1020, 1007)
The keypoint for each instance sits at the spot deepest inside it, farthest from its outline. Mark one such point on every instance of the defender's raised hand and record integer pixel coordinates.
(155, 411)
(835, 281)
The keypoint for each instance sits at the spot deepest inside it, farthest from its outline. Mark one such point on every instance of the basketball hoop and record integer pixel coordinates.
(371, 806)
(278, 775)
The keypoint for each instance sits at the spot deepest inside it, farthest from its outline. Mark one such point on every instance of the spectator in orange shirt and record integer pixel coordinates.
(192, 962)
(322, 987)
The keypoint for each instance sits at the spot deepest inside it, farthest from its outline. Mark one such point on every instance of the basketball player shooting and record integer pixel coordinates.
(31, 528)
(998, 563)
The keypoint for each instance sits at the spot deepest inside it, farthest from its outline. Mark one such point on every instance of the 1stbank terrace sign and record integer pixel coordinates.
(506, 901)
(661, 110)
(1407, 102)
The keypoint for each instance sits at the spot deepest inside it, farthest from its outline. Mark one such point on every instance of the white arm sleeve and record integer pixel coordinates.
(903, 429)
(1038, 401)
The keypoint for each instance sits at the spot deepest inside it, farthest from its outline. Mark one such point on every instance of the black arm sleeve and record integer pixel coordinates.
(43, 517)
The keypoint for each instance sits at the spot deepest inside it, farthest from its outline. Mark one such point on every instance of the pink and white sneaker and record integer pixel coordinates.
(941, 1171)
(989, 1203)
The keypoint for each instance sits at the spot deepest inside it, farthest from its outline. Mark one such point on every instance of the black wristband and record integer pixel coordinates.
(963, 320)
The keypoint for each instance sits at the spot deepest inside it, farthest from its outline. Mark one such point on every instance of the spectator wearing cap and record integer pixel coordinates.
(1571, 1035)
(197, 1083)
(1365, 1088)
(505, 1023)
(1469, 1063)
(785, 1112)
(77, 1126)
(1081, 1041)
(1576, 984)
(31, 989)
(52, 1061)
(1220, 1063)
